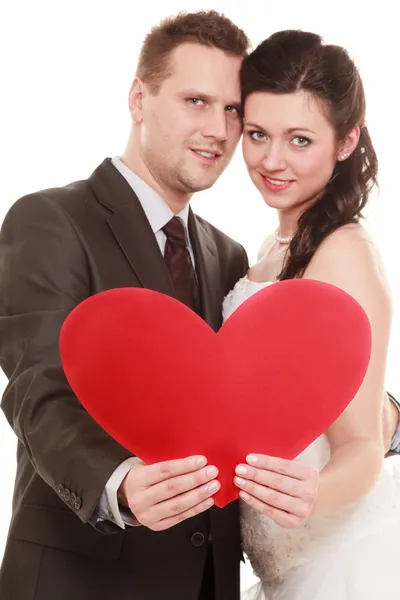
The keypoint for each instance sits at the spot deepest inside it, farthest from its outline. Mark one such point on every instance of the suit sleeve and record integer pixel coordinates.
(44, 274)
(245, 267)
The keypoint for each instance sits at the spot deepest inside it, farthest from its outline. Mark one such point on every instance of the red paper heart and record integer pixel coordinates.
(165, 385)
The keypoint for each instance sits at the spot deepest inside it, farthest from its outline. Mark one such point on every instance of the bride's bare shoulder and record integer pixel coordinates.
(349, 258)
(348, 243)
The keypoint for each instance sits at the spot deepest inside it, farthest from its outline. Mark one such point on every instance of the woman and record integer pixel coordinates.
(309, 153)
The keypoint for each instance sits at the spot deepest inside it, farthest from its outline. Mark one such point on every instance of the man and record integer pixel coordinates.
(89, 520)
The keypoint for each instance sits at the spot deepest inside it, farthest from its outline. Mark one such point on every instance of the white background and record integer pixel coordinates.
(66, 69)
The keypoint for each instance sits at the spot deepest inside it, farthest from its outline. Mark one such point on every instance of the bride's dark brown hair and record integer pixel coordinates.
(289, 61)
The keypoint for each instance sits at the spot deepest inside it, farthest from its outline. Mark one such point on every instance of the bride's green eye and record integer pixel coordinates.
(257, 136)
(302, 142)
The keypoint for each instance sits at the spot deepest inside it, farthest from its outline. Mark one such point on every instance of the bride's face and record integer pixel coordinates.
(289, 148)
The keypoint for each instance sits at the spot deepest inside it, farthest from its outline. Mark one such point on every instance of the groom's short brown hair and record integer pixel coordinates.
(208, 28)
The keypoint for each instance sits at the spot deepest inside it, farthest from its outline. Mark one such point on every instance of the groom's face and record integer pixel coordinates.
(191, 126)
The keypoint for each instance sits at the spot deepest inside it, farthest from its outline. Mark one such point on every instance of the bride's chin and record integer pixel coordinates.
(276, 203)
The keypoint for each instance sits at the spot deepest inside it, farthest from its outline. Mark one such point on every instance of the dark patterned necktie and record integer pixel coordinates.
(178, 261)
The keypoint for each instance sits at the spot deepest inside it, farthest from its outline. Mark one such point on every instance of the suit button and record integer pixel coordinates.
(60, 489)
(73, 498)
(197, 539)
(67, 495)
(78, 503)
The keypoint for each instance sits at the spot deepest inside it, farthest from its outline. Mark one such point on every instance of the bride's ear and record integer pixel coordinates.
(347, 146)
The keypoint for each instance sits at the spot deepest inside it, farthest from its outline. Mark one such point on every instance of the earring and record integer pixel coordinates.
(344, 156)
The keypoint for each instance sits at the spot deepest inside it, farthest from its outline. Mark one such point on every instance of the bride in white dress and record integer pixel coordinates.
(309, 153)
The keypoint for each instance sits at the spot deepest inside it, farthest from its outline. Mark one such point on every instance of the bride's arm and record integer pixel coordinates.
(350, 261)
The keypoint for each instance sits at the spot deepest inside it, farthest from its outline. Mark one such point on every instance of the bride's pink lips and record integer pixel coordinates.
(275, 187)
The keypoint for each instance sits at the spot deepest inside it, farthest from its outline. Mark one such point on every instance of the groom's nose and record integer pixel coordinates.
(216, 125)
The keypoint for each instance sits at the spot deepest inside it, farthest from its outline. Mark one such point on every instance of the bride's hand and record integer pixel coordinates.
(283, 490)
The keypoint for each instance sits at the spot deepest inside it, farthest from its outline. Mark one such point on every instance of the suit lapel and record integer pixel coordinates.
(134, 235)
(138, 242)
(208, 271)
(131, 228)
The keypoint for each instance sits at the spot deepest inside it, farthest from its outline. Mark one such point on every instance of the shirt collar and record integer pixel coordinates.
(157, 211)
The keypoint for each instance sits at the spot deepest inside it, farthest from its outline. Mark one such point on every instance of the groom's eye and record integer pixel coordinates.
(195, 101)
(234, 110)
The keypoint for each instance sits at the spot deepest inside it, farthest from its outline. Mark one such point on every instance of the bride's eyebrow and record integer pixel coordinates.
(293, 129)
(254, 125)
(290, 130)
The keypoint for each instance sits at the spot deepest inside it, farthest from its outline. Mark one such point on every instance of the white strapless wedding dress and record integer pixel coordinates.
(353, 554)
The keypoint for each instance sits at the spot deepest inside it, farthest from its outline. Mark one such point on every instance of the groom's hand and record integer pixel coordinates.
(283, 490)
(164, 494)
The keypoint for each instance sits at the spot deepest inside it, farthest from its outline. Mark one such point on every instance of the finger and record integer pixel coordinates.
(192, 512)
(294, 505)
(301, 488)
(162, 471)
(181, 505)
(280, 517)
(291, 468)
(178, 485)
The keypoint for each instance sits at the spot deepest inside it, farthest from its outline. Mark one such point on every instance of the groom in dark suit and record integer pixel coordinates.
(91, 522)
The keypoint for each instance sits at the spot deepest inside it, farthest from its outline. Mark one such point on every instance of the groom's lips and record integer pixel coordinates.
(209, 160)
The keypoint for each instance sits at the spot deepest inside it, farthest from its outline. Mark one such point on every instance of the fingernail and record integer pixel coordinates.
(241, 470)
(240, 481)
(244, 496)
(252, 459)
(201, 461)
(212, 472)
(213, 487)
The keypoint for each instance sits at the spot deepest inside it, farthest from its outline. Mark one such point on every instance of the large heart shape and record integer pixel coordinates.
(278, 373)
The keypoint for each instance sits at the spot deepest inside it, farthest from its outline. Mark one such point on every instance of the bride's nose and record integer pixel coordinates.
(274, 158)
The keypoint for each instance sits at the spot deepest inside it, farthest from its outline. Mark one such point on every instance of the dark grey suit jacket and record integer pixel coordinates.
(57, 247)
